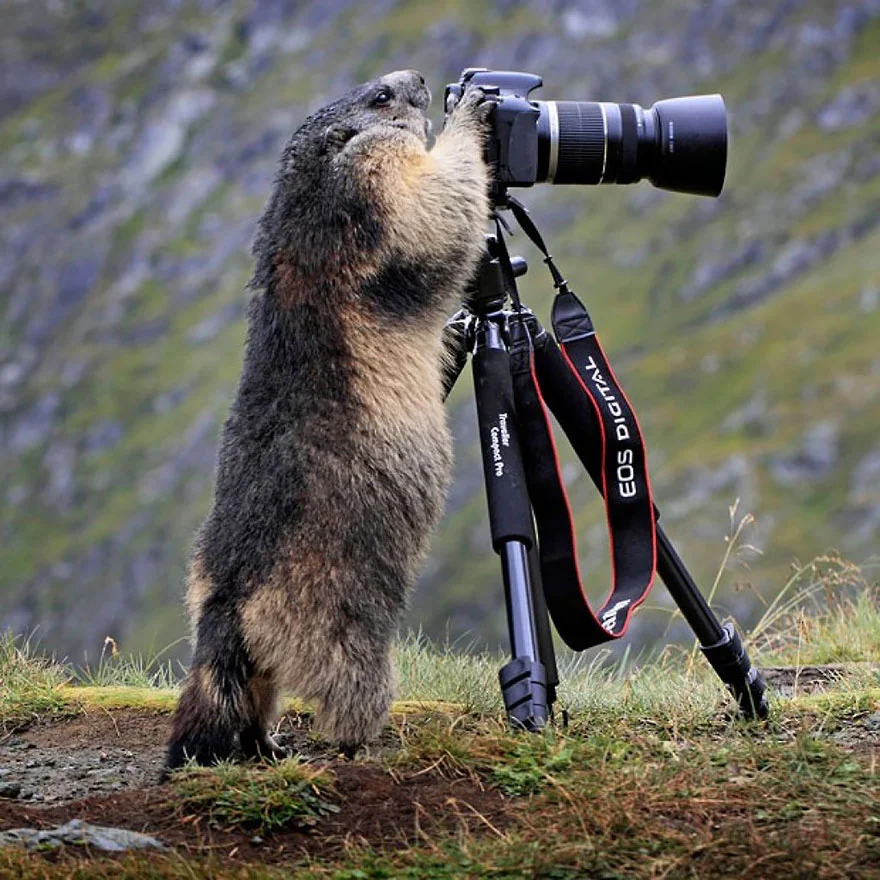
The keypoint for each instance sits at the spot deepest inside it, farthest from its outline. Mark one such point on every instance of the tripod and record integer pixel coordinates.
(496, 337)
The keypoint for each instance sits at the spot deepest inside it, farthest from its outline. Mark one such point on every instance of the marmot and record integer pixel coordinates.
(335, 456)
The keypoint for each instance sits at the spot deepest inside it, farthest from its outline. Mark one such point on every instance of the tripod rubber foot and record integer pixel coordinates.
(524, 688)
(731, 661)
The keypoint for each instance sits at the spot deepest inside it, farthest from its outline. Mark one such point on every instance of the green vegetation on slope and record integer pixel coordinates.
(742, 329)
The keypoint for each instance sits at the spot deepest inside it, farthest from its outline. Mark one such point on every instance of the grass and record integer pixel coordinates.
(447, 674)
(642, 802)
(653, 777)
(118, 670)
(29, 685)
(14, 864)
(287, 793)
(827, 612)
(636, 798)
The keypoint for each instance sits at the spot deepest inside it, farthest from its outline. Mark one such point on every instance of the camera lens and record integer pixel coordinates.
(680, 144)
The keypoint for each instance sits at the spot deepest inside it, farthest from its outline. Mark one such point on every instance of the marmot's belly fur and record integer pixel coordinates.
(335, 458)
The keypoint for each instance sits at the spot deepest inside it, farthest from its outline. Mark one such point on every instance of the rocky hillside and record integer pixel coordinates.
(138, 143)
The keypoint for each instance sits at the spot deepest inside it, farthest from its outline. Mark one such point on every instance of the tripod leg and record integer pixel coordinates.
(721, 645)
(543, 631)
(524, 679)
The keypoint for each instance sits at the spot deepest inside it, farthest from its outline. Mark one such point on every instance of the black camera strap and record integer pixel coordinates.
(574, 380)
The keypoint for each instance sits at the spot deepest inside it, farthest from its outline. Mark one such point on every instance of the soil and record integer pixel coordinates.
(789, 681)
(103, 767)
(96, 752)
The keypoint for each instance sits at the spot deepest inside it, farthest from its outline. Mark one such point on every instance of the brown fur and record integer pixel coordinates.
(362, 460)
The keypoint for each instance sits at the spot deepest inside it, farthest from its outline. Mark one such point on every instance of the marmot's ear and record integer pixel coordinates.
(337, 136)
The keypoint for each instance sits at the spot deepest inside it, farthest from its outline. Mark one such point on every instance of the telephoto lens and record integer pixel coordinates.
(679, 144)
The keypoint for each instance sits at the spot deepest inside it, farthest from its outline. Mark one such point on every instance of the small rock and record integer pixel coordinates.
(79, 833)
(10, 790)
(872, 722)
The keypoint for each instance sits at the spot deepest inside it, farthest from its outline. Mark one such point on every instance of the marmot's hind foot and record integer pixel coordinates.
(349, 750)
(204, 746)
(205, 722)
(261, 746)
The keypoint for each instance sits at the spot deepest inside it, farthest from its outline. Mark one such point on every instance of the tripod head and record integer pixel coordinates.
(486, 293)
(481, 311)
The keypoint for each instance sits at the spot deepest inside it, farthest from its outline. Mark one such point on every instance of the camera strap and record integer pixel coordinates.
(574, 381)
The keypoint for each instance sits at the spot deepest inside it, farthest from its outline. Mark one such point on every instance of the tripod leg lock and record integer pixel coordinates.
(731, 661)
(524, 688)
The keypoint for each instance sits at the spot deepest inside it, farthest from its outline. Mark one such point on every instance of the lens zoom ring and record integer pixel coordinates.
(629, 142)
(581, 142)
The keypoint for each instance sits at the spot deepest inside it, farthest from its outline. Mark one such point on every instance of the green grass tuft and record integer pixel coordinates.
(525, 769)
(29, 684)
(263, 798)
(826, 613)
(447, 673)
(117, 670)
(133, 866)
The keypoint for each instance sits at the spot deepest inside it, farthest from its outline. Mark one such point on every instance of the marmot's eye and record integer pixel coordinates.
(382, 97)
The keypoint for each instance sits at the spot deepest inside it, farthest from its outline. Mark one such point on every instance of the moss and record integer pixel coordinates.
(122, 697)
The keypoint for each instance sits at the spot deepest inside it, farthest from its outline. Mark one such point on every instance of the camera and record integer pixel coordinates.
(679, 144)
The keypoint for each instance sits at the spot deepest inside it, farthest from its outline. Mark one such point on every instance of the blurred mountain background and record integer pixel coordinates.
(138, 144)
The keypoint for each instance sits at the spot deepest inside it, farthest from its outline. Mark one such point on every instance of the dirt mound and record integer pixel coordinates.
(103, 767)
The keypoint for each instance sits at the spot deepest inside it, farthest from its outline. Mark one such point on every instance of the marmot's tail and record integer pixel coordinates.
(215, 705)
(201, 730)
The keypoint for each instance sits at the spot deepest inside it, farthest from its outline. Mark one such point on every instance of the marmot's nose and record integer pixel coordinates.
(416, 90)
(415, 75)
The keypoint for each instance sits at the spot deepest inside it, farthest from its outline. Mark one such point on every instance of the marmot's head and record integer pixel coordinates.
(319, 204)
(396, 100)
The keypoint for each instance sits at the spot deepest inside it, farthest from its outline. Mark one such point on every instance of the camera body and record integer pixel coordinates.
(678, 144)
(513, 146)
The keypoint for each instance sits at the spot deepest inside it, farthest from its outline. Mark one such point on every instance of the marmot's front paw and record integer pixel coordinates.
(473, 110)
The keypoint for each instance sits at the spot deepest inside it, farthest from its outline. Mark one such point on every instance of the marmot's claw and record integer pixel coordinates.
(263, 748)
(475, 104)
(278, 752)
